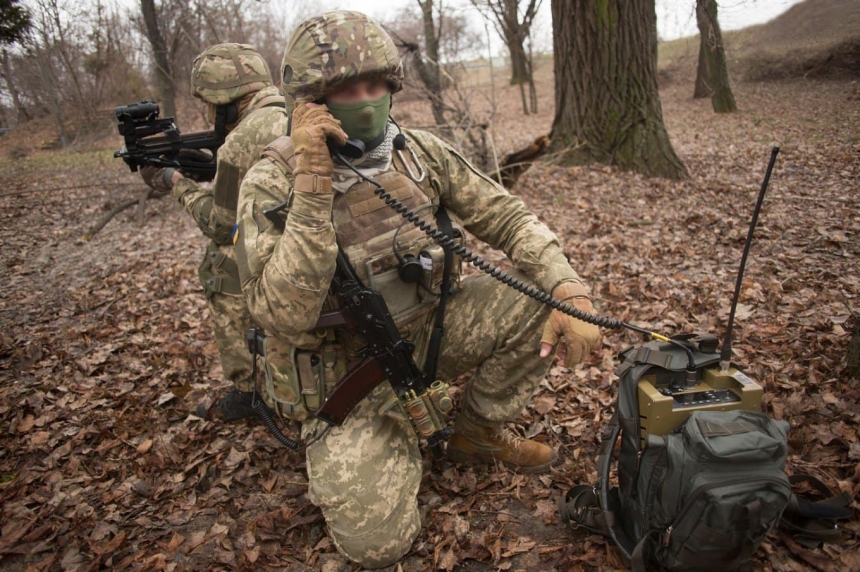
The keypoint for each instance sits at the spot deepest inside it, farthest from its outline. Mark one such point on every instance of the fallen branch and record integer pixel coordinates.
(75, 187)
(519, 162)
(140, 201)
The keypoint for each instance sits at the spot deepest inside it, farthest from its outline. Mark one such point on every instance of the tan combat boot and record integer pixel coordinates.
(473, 442)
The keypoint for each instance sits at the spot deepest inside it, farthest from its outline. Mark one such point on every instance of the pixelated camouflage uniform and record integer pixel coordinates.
(261, 119)
(365, 474)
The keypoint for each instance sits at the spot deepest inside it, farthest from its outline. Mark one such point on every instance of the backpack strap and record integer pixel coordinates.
(608, 499)
(644, 355)
(814, 522)
(282, 151)
(579, 508)
(638, 558)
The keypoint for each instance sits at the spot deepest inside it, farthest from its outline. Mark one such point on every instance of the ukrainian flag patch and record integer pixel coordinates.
(235, 233)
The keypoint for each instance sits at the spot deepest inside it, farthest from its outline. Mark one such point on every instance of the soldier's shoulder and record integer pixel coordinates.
(264, 123)
(426, 140)
(265, 172)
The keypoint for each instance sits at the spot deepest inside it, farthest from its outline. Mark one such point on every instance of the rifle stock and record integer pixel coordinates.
(349, 391)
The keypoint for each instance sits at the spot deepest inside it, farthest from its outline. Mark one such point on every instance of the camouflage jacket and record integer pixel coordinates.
(214, 209)
(286, 275)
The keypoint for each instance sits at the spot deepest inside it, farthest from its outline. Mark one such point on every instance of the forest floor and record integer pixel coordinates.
(105, 350)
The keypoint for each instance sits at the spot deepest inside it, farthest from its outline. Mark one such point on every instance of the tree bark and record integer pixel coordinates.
(519, 65)
(712, 50)
(163, 69)
(607, 105)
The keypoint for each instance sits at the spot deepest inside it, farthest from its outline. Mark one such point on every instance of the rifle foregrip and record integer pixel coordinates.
(355, 386)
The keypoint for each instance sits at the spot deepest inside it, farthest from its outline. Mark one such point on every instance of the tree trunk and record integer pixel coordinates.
(519, 64)
(607, 104)
(703, 87)
(722, 98)
(428, 66)
(163, 70)
(13, 91)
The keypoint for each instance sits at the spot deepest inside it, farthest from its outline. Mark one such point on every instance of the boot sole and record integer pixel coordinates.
(463, 458)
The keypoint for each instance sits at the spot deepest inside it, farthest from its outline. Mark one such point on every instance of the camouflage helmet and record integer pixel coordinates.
(327, 51)
(224, 73)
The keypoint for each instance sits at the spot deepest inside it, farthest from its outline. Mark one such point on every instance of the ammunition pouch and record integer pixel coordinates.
(296, 379)
(218, 273)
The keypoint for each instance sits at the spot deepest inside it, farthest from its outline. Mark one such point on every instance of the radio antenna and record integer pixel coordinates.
(726, 353)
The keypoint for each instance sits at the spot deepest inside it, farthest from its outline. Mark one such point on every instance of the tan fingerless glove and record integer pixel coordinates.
(312, 128)
(579, 337)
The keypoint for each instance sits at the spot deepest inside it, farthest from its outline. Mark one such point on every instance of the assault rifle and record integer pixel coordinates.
(151, 140)
(387, 356)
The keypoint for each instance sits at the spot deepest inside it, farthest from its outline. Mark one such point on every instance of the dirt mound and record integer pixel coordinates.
(816, 38)
(840, 60)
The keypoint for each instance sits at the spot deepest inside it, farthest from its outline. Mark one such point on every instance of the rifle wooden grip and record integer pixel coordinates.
(349, 391)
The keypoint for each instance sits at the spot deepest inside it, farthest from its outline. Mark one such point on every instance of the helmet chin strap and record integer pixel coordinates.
(225, 115)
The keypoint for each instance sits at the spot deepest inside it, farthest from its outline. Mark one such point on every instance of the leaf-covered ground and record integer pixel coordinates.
(105, 350)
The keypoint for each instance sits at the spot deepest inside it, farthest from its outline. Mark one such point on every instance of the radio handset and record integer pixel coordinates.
(354, 148)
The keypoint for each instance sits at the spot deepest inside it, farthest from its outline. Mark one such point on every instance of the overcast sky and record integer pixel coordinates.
(675, 18)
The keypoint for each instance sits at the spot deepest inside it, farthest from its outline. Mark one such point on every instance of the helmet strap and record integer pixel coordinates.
(225, 115)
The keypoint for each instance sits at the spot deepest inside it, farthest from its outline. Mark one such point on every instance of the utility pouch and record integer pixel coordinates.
(296, 379)
(218, 273)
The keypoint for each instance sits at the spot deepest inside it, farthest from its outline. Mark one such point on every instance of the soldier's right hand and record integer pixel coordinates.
(312, 127)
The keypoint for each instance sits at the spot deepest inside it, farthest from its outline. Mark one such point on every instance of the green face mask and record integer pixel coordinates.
(364, 120)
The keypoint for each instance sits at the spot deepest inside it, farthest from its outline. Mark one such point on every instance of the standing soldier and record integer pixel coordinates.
(299, 207)
(235, 83)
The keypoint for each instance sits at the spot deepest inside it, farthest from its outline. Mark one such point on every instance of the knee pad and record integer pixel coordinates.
(385, 544)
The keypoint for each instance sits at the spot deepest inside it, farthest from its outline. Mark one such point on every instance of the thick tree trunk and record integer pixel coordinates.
(722, 98)
(607, 104)
(703, 88)
(163, 70)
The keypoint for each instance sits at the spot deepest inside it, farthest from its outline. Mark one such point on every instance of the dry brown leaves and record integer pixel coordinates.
(105, 348)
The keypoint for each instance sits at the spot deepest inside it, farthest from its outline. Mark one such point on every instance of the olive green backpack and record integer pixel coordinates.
(702, 497)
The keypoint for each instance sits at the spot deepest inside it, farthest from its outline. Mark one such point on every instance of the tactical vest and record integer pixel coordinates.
(375, 239)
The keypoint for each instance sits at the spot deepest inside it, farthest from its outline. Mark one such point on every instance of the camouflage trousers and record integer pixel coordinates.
(365, 474)
(228, 313)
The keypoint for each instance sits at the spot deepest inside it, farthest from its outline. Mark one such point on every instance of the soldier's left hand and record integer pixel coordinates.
(160, 178)
(577, 338)
(195, 156)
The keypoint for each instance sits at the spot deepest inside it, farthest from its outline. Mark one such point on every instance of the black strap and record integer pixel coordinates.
(814, 522)
(432, 360)
(579, 508)
(644, 354)
(637, 557)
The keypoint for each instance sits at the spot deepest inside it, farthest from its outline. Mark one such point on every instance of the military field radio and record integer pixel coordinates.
(667, 398)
